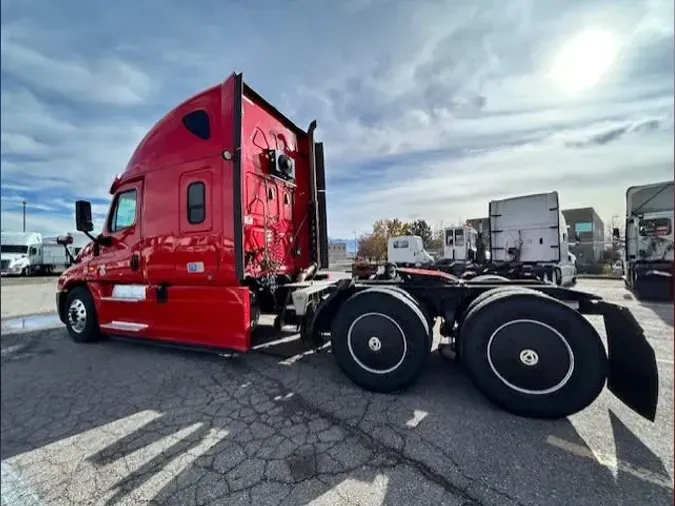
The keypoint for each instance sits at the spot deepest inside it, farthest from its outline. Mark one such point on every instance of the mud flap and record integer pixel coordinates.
(633, 374)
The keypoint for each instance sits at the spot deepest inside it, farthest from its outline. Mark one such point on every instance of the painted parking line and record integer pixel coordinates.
(612, 462)
(664, 361)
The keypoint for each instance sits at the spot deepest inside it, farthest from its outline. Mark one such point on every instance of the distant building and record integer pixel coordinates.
(337, 252)
(586, 223)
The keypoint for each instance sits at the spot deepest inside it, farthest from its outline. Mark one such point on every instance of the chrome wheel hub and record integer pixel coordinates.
(77, 316)
(529, 357)
(374, 343)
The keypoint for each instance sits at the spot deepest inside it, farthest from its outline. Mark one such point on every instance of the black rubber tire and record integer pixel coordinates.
(427, 316)
(557, 276)
(589, 367)
(478, 300)
(91, 331)
(416, 336)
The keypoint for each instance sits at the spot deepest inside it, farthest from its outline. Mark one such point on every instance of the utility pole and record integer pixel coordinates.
(24, 215)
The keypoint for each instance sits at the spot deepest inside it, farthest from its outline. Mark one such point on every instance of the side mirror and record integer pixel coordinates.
(64, 240)
(616, 233)
(83, 221)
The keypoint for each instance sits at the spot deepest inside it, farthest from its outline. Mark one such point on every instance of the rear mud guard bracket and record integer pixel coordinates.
(633, 374)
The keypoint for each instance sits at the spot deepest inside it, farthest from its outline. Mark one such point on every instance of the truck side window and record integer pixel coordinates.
(655, 227)
(197, 122)
(124, 214)
(196, 205)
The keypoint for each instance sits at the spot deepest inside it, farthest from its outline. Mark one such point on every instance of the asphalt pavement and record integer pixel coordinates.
(121, 423)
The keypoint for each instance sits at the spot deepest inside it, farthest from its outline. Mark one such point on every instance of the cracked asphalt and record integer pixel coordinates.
(120, 423)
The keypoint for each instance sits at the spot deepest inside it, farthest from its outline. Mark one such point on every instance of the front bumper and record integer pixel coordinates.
(633, 374)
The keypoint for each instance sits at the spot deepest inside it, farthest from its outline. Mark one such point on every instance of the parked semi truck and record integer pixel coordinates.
(220, 214)
(648, 257)
(28, 253)
(526, 239)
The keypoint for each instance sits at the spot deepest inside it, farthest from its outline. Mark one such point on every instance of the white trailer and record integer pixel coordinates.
(531, 230)
(54, 256)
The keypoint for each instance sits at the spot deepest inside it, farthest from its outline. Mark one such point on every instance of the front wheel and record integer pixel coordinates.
(81, 318)
(533, 355)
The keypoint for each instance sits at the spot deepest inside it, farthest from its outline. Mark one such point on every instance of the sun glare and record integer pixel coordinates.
(584, 59)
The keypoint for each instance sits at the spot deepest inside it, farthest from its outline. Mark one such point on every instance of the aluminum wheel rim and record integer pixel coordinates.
(77, 316)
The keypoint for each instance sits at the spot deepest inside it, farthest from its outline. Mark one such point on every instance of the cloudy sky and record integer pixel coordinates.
(427, 108)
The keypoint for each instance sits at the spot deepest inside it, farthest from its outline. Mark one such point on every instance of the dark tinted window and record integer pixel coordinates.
(197, 122)
(196, 202)
(11, 248)
(125, 211)
(655, 226)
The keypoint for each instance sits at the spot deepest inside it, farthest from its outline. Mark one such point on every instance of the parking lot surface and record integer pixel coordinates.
(120, 423)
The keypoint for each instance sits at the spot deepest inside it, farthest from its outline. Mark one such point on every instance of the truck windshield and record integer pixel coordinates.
(13, 248)
(655, 227)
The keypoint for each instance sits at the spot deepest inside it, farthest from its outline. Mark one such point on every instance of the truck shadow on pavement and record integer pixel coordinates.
(120, 423)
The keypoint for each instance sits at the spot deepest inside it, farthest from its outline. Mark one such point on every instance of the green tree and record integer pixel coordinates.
(422, 229)
(437, 240)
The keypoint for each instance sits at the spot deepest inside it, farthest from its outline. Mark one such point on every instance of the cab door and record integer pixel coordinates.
(117, 272)
(119, 260)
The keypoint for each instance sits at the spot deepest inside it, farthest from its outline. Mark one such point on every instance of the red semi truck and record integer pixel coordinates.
(221, 215)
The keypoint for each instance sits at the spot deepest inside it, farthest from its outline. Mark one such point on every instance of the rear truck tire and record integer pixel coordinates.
(420, 305)
(80, 316)
(533, 355)
(557, 276)
(380, 340)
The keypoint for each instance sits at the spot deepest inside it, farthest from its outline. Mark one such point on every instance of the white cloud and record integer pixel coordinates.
(107, 80)
(450, 190)
(79, 158)
(458, 76)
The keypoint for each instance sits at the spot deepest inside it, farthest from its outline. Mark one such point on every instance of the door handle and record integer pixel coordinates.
(134, 262)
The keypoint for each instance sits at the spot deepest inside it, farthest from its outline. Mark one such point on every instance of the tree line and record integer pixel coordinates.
(373, 246)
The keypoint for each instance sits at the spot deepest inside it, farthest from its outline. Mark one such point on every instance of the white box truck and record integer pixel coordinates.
(648, 257)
